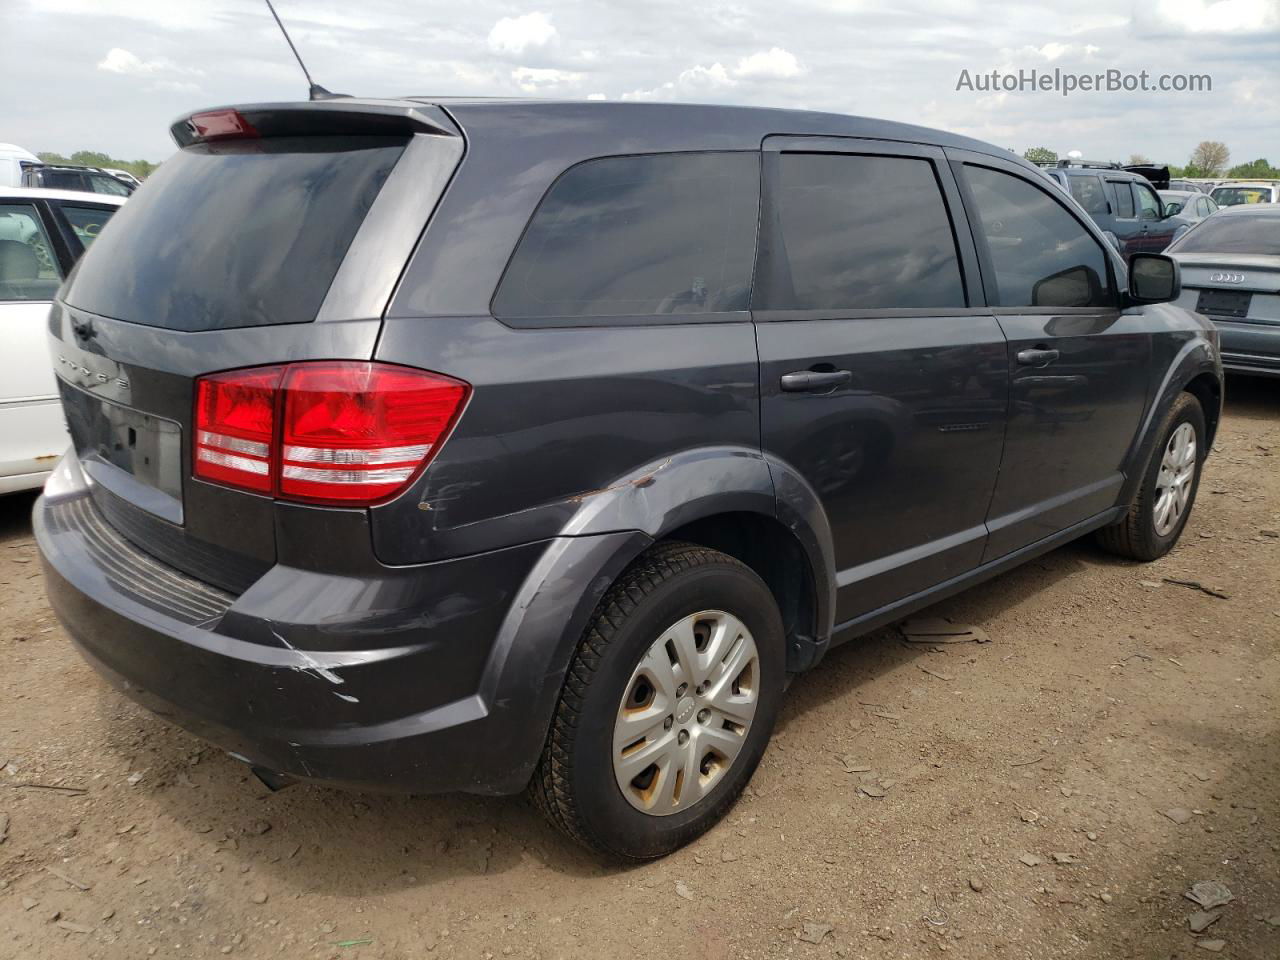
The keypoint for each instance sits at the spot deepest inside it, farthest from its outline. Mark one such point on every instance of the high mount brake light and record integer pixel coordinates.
(340, 432)
(220, 125)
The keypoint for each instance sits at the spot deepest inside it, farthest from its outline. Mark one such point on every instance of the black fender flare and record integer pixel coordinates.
(613, 525)
(1196, 357)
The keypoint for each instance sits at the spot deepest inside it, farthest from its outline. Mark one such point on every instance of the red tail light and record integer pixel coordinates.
(342, 432)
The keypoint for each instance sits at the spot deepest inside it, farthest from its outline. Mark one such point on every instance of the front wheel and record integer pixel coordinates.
(1159, 513)
(667, 706)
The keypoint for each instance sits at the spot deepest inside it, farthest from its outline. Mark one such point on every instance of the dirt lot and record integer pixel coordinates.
(1110, 705)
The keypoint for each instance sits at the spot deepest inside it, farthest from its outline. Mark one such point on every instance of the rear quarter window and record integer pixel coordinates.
(239, 234)
(638, 236)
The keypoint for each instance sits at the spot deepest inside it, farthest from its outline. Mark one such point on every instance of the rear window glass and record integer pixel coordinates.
(241, 234)
(1258, 234)
(1234, 196)
(858, 232)
(639, 236)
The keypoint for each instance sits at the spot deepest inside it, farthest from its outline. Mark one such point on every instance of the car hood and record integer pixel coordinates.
(1241, 261)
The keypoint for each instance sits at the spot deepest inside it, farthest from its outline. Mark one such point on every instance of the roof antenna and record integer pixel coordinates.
(316, 92)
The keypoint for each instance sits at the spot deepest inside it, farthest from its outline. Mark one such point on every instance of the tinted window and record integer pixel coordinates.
(1148, 202)
(858, 232)
(1258, 234)
(105, 183)
(1124, 198)
(238, 234)
(28, 270)
(62, 180)
(1089, 193)
(639, 236)
(86, 222)
(1042, 255)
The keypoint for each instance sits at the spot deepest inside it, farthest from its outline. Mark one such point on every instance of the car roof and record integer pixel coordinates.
(713, 119)
(43, 193)
(1180, 193)
(1248, 183)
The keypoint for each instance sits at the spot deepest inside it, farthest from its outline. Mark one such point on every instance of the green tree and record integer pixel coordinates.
(95, 158)
(1258, 169)
(1040, 155)
(1137, 158)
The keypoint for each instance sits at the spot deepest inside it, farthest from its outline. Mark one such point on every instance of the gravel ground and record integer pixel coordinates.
(1053, 793)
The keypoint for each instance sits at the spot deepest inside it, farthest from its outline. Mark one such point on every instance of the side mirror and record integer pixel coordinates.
(1154, 278)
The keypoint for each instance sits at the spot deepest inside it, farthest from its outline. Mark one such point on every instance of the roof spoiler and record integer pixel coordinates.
(318, 118)
(1159, 176)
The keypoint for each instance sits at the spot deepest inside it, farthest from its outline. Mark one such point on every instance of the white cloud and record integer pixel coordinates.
(1224, 16)
(515, 35)
(160, 73)
(697, 81)
(544, 79)
(597, 96)
(773, 64)
(119, 60)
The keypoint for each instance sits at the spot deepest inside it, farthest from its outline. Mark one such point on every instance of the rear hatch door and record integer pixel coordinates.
(275, 234)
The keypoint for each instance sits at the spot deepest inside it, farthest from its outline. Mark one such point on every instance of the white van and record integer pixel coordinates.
(12, 157)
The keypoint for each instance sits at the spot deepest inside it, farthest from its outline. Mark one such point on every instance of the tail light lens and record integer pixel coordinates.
(341, 432)
(235, 427)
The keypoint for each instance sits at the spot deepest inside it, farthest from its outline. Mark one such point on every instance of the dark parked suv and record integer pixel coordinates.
(487, 446)
(1123, 202)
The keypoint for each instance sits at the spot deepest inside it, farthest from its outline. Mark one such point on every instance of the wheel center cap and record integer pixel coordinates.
(684, 710)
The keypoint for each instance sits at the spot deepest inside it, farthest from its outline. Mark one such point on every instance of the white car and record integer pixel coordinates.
(13, 160)
(42, 234)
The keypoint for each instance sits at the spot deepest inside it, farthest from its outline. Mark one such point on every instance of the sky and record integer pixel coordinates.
(111, 75)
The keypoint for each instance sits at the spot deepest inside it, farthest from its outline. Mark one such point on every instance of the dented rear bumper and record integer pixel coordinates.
(388, 681)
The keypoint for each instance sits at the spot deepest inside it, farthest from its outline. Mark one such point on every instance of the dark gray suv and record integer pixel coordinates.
(492, 446)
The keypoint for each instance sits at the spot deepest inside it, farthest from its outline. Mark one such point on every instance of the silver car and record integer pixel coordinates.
(1231, 274)
(1189, 204)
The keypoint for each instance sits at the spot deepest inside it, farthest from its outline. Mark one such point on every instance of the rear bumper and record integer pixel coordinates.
(423, 681)
(1250, 347)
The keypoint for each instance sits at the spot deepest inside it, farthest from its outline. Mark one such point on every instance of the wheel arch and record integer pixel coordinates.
(1197, 370)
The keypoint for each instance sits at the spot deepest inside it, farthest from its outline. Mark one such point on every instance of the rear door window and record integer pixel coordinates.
(639, 236)
(858, 232)
(28, 268)
(238, 234)
(1042, 256)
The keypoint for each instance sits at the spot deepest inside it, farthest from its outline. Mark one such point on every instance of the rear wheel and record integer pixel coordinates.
(667, 707)
(1159, 513)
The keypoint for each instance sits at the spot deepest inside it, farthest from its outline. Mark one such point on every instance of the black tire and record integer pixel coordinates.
(575, 785)
(1135, 535)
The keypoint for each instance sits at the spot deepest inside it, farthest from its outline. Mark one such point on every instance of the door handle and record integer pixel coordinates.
(1039, 357)
(802, 380)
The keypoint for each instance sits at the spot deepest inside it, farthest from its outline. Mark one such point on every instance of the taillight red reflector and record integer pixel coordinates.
(361, 431)
(235, 427)
(342, 432)
(221, 125)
